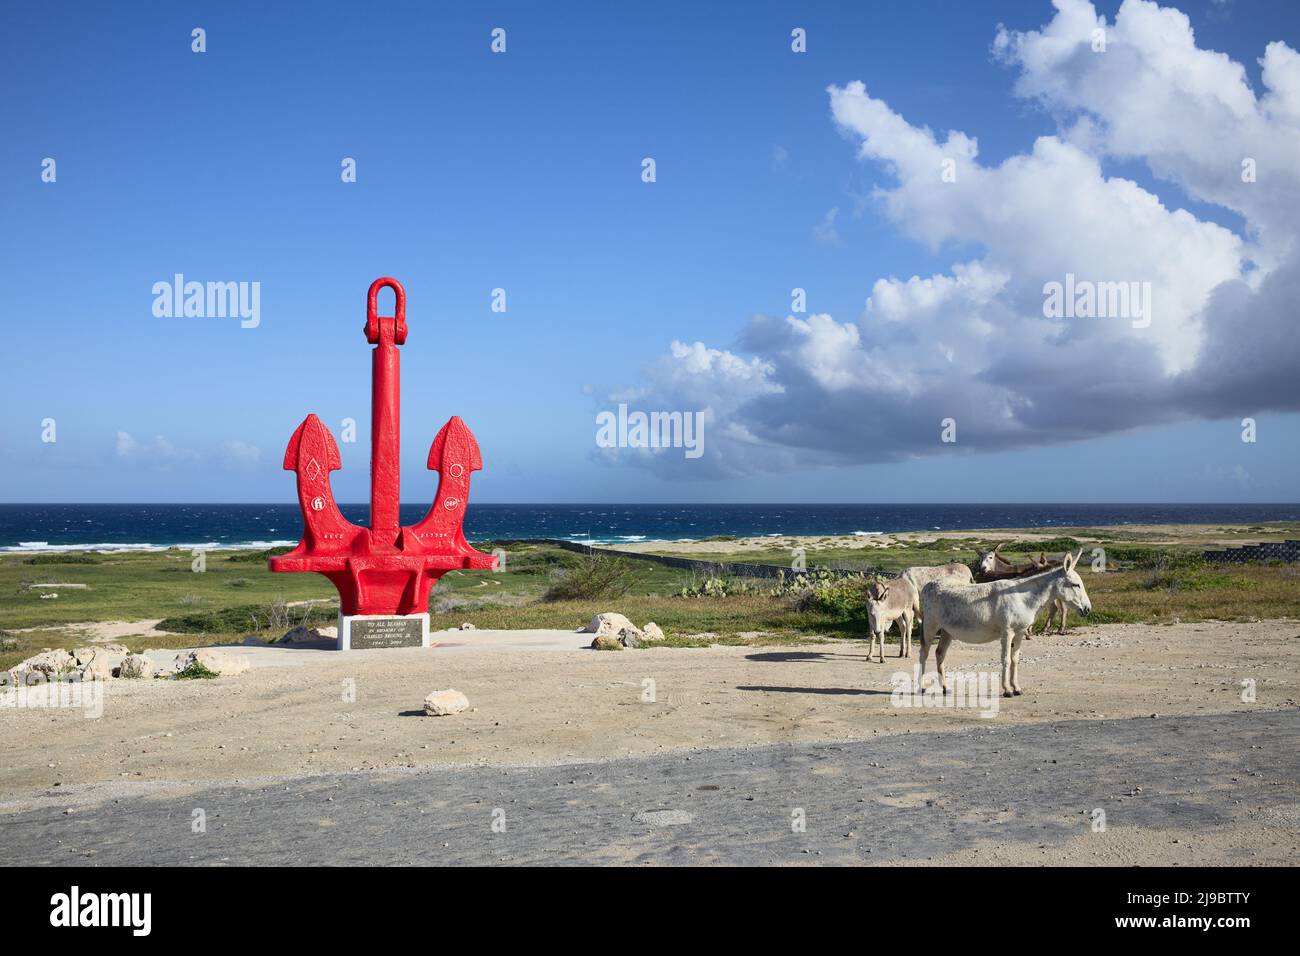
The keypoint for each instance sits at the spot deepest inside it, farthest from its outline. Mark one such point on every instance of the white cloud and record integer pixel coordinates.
(241, 456)
(825, 231)
(973, 343)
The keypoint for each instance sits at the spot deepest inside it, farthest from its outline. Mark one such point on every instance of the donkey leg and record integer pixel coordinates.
(1007, 690)
(928, 633)
(1064, 609)
(940, 653)
(1015, 662)
(905, 627)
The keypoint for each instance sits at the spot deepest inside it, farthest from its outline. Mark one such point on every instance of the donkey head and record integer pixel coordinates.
(989, 560)
(1068, 586)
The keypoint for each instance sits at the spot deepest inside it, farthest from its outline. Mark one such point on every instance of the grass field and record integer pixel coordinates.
(235, 596)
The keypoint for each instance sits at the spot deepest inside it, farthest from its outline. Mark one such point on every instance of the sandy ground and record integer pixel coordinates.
(1210, 536)
(542, 700)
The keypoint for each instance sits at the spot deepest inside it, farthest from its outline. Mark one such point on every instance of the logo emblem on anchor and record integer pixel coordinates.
(386, 568)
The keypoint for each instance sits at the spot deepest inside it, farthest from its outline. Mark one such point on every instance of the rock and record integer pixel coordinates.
(134, 666)
(630, 637)
(301, 635)
(664, 818)
(443, 703)
(47, 665)
(223, 663)
(603, 642)
(652, 632)
(97, 663)
(610, 624)
(467, 626)
(97, 668)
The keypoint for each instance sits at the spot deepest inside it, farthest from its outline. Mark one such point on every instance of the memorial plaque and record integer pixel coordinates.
(368, 633)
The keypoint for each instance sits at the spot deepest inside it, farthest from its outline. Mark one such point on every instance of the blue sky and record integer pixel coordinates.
(522, 171)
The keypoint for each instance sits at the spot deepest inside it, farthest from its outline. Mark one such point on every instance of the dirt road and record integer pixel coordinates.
(342, 719)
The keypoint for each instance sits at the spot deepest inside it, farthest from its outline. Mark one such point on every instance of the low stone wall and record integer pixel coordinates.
(1268, 551)
(711, 568)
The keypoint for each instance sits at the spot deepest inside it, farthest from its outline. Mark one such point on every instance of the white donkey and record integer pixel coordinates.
(998, 610)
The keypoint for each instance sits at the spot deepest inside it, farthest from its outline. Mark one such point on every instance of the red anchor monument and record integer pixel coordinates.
(383, 573)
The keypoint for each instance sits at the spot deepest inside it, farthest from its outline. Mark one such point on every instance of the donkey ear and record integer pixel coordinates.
(1066, 562)
(998, 547)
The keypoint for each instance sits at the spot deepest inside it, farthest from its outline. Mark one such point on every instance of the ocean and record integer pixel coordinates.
(143, 527)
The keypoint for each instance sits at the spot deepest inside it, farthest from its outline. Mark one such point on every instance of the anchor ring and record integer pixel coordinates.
(375, 323)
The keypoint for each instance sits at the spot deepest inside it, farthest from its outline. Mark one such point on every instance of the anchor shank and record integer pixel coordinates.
(385, 445)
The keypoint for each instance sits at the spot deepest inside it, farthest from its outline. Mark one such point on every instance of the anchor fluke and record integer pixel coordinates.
(313, 454)
(455, 444)
(318, 437)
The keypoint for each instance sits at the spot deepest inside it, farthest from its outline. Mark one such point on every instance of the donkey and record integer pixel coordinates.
(998, 610)
(888, 602)
(994, 567)
(920, 575)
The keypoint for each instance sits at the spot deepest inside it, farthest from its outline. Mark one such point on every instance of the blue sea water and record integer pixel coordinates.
(125, 527)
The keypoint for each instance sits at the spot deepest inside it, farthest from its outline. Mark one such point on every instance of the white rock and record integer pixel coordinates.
(652, 632)
(97, 668)
(224, 663)
(467, 626)
(442, 703)
(610, 624)
(49, 664)
(135, 665)
(301, 635)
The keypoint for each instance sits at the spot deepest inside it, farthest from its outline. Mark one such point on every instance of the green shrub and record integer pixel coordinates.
(715, 587)
(1048, 546)
(823, 590)
(257, 557)
(593, 576)
(63, 559)
(196, 670)
(275, 616)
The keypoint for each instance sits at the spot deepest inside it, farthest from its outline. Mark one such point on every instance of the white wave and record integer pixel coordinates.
(44, 547)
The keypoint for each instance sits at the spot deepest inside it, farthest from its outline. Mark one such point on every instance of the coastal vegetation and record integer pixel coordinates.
(235, 597)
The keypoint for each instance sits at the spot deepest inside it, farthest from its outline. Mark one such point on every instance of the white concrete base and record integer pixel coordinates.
(370, 631)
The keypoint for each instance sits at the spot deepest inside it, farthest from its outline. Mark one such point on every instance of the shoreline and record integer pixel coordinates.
(1208, 533)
